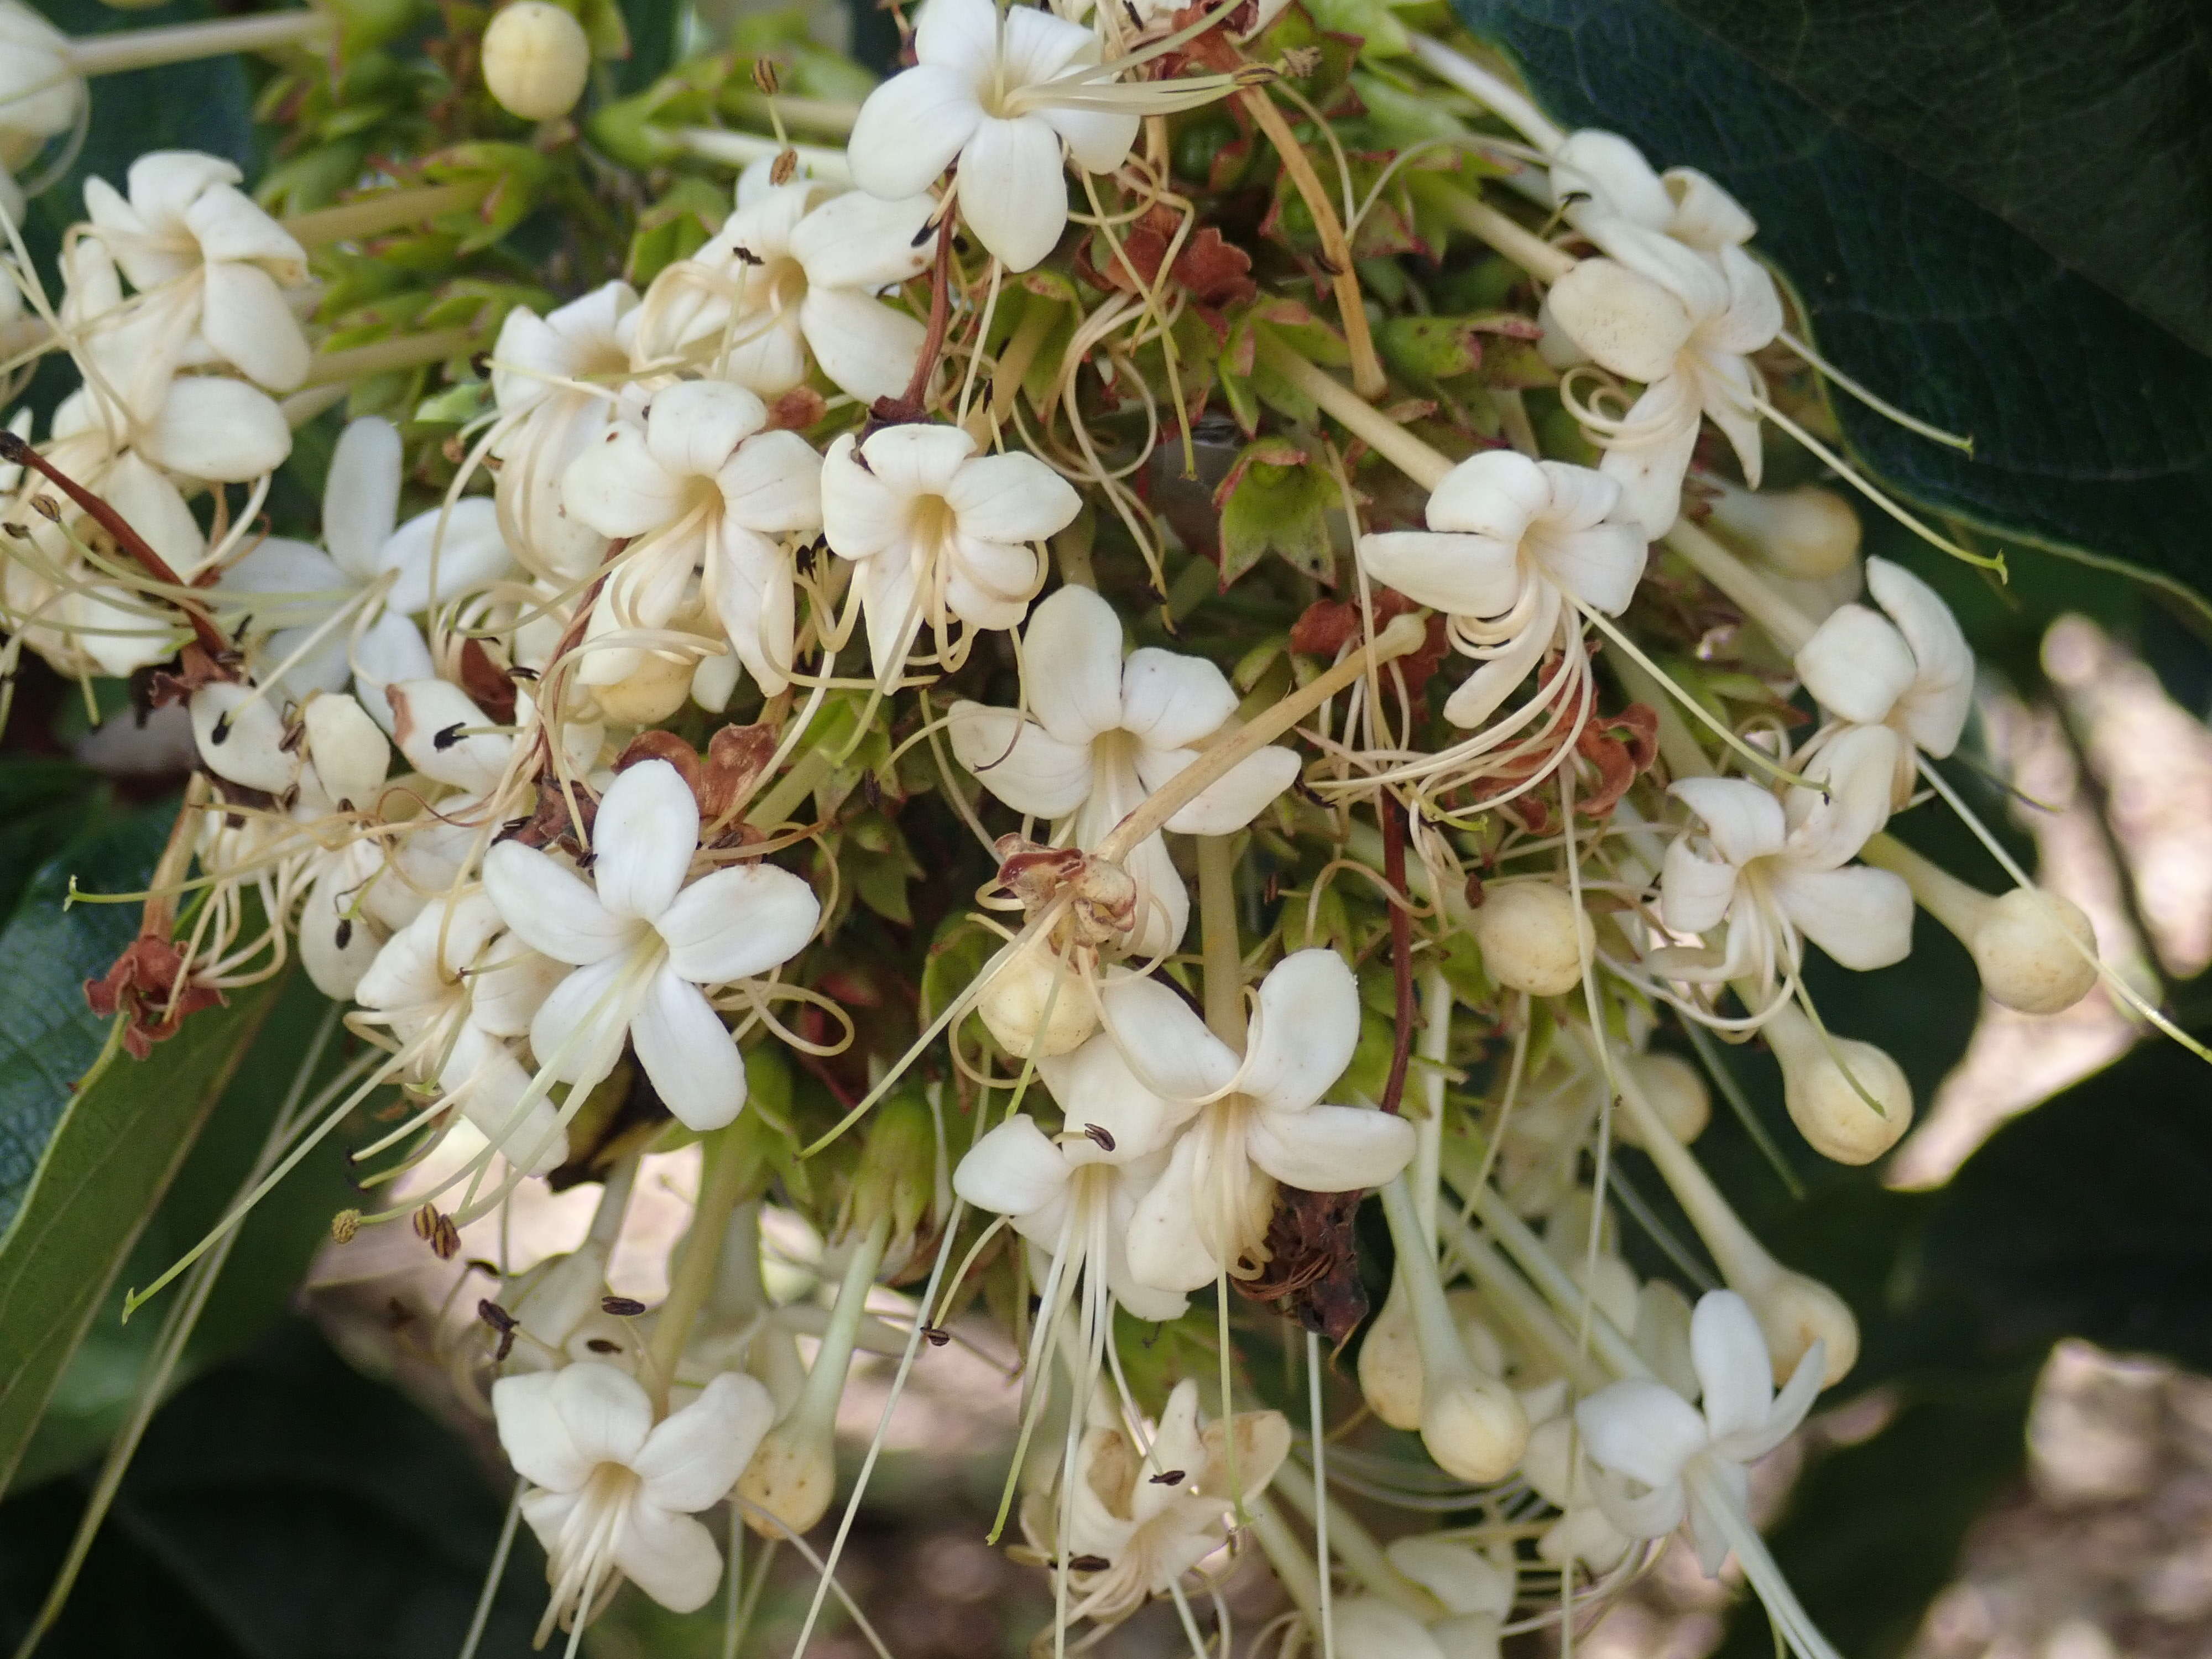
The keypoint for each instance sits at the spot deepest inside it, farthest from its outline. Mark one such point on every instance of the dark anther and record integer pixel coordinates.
(222, 733)
(1167, 1478)
(519, 672)
(924, 234)
(344, 936)
(745, 255)
(1105, 1140)
(936, 1338)
(622, 1307)
(1088, 1564)
(600, 1345)
(480, 365)
(501, 1321)
(446, 738)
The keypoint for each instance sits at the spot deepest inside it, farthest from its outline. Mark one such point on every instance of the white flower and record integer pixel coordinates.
(543, 370)
(454, 984)
(208, 262)
(1773, 870)
(1684, 322)
(1600, 175)
(643, 943)
(1911, 671)
(793, 273)
(1002, 91)
(1557, 1468)
(1152, 1515)
(347, 611)
(1207, 1213)
(1688, 1461)
(41, 95)
(1510, 541)
(614, 1492)
(1070, 1197)
(938, 532)
(1476, 1594)
(1100, 734)
(702, 492)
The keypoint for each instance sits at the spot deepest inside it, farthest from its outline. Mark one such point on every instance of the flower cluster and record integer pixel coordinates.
(815, 675)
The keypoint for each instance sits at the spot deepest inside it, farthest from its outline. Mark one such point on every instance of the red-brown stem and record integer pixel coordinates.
(1402, 949)
(914, 404)
(18, 450)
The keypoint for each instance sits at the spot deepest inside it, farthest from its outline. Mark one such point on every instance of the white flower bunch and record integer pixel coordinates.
(798, 705)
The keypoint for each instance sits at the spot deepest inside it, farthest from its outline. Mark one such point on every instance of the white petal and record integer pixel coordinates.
(861, 514)
(1455, 1573)
(1859, 916)
(440, 554)
(1744, 821)
(909, 129)
(1165, 1249)
(605, 1412)
(860, 242)
(1014, 497)
(1164, 1038)
(869, 349)
(489, 1082)
(695, 426)
(1162, 901)
(1857, 665)
(389, 650)
(507, 990)
(891, 609)
(1599, 566)
(361, 494)
(1303, 1029)
(695, 1456)
(1368, 1627)
(1231, 801)
(1651, 472)
(1170, 701)
(577, 1033)
(1694, 891)
(550, 908)
(1095, 1084)
(688, 1054)
(1098, 139)
(647, 830)
(1011, 192)
(1331, 1149)
(738, 923)
(534, 1435)
(336, 949)
(1729, 1355)
(1018, 761)
(1857, 767)
(244, 318)
(957, 35)
(1463, 575)
(229, 226)
(1073, 646)
(1612, 171)
(1787, 1412)
(1496, 493)
(1705, 215)
(1014, 1170)
(671, 1558)
(616, 487)
(1641, 1429)
(443, 734)
(220, 429)
(240, 737)
(772, 485)
(1942, 696)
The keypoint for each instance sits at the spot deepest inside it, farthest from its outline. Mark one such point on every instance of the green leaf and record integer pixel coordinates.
(2087, 414)
(281, 1508)
(1273, 502)
(82, 1167)
(43, 804)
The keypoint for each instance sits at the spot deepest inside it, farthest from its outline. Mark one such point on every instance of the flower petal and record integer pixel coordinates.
(738, 923)
(861, 514)
(618, 487)
(1072, 648)
(438, 554)
(910, 128)
(220, 429)
(1694, 891)
(869, 349)
(550, 908)
(1162, 1038)
(772, 485)
(1368, 1627)
(1013, 497)
(1857, 665)
(688, 1053)
(1018, 761)
(1095, 1085)
(1165, 1249)
(1330, 1149)
(605, 1412)
(1861, 917)
(1744, 821)
(1942, 696)
(489, 1084)
(861, 241)
(1014, 1170)
(534, 1433)
(1728, 1352)
(1465, 576)
(647, 830)
(1599, 566)
(361, 494)
(444, 734)
(245, 319)
(1303, 1031)
(695, 1456)
(671, 1558)
(1641, 1429)
(1012, 194)
(1496, 493)
(1231, 801)
(1099, 140)
(920, 459)
(695, 426)
(1170, 701)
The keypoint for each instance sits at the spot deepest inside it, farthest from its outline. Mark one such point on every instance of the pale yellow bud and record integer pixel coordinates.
(651, 692)
(1533, 937)
(536, 60)
(1808, 534)
(1036, 1005)
(2022, 950)
(1677, 1092)
(1826, 1085)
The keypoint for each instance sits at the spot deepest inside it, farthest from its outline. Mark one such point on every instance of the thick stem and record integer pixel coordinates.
(1223, 956)
(744, 149)
(404, 351)
(1487, 225)
(1344, 282)
(1425, 466)
(814, 114)
(1479, 84)
(1444, 1356)
(180, 43)
(1429, 1132)
(1750, 593)
(389, 209)
(825, 1380)
(1285, 1555)
(1405, 634)
(723, 1168)
(1959, 906)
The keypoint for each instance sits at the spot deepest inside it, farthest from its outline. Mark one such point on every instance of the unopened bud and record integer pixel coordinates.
(1036, 1005)
(648, 694)
(1677, 1092)
(1808, 534)
(1827, 1083)
(349, 752)
(1533, 936)
(536, 60)
(2023, 952)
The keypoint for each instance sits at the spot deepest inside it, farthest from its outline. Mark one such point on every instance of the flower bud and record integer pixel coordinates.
(1036, 1005)
(348, 750)
(1533, 936)
(897, 1173)
(1474, 1427)
(1821, 1081)
(650, 692)
(1808, 533)
(1390, 1360)
(793, 1476)
(1626, 321)
(536, 60)
(2022, 952)
(1677, 1092)
(1794, 1312)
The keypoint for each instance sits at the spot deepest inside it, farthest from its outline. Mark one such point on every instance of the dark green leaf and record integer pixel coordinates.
(43, 804)
(2090, 418)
